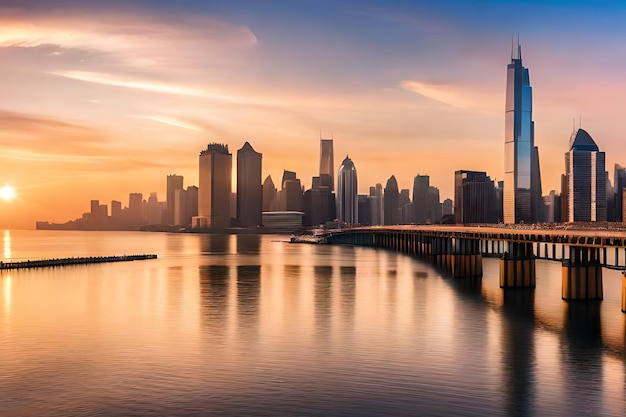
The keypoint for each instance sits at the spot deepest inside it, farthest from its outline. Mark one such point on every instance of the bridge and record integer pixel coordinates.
(460, 249)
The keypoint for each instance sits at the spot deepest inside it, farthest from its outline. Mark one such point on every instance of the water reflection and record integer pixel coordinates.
(214, 283)
(323, 297)
(581, 356)
(248, 244)
(215, 244)
(348, 295)
(248, 293)
(518, 359)
(7, 244)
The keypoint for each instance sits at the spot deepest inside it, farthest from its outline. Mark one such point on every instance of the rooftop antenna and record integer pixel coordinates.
(519, 49)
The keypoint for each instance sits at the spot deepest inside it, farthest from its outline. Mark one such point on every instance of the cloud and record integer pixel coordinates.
(172, 121)
(136, 38)
(442, 93)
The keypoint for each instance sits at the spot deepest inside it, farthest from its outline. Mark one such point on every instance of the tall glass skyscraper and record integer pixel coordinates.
(347, 200)
(586, 179)
(521, 160)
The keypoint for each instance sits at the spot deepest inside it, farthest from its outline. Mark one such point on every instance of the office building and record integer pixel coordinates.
(215, 183)
(391, 202)
(327, 164)
(347, 192)
(586, 179)
(521, 160)
(421, 199)
(474, 198)
(174, 182)
(270, 195)
(249, 187)
(619, 183)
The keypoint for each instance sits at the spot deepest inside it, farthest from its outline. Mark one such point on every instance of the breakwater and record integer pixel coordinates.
(42, 263)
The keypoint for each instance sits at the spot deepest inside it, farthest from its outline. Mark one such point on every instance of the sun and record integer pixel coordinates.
(7, 193)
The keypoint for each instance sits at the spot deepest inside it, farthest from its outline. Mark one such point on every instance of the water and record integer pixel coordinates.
(252, 326)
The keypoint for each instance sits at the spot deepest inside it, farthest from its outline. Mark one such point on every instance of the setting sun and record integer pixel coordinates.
(7, 193)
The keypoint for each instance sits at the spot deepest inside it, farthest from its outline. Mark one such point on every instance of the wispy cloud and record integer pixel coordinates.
(172, 121)
(137, 39)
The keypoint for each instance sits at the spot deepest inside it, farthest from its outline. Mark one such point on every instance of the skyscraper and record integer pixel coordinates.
(249, 188)
(391, 202)
(327, 165)
(521, 161)
(269, 194)
(619, 181)
(474, 198)
(421, 199)
(215, 173)
(347, 193)
(586, 179)
(174, 182)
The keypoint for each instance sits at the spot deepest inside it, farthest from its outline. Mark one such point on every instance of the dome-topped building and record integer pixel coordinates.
(586, 179)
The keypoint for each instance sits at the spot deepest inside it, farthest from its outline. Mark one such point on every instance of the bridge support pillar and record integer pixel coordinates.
(582, 275)
(517, 266)
(465, 259)
(624, 292)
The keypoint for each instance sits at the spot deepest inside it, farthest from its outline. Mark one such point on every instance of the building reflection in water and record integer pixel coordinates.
(348, 295)
(248, 244)
(323, 297)
(214, 289)
(215, 244)
(518, 359)
(248, 294)
(581, 357)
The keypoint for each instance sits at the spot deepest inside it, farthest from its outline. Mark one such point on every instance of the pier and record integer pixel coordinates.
(43, 263)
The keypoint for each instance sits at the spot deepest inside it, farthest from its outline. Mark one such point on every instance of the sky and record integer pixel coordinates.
(101, 99)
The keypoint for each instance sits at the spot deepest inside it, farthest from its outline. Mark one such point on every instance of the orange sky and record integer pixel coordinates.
(96, 109)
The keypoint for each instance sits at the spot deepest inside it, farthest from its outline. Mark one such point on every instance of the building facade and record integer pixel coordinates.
(174, 182)
(327, 164)
(391, 202)
(347, 193)
(474, 198)
(521, 160)
(586, 179)
(214, 188)
(249, 187)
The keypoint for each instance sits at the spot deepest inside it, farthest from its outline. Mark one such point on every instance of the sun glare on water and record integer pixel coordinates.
(7, 193)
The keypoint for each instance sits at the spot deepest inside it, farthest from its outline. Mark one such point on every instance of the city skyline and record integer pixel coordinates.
(95, 111)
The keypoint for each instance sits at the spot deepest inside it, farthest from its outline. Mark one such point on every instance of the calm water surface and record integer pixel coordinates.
(254, 326)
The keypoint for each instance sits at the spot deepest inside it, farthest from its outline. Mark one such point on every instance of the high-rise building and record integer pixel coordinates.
(586, 179)
(249, 187)
(347, 192)
(364, 209)
(180, 208)
(290, 195)
(174, 182)
(474, 198)
(215, 183)
(391, 202)
(327, 164)
(135, 209)
(421, 199)
(269, 195)
(434, 205)
(154, 214)
(619, 183)
(521, 161)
